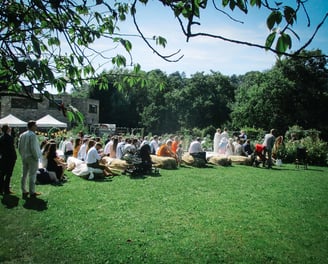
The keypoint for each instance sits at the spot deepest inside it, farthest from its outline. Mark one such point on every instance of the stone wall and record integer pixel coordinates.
(26, 113)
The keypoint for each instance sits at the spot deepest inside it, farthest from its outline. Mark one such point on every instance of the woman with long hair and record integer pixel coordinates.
(55, 163)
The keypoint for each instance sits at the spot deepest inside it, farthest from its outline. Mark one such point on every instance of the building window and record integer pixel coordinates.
(23, 103)
(55, 104)
(93, 109)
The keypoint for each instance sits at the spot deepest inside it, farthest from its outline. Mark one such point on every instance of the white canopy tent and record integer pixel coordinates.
(12, 121)
(49, 121)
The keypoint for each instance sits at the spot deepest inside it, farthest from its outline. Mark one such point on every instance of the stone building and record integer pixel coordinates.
(26, 109)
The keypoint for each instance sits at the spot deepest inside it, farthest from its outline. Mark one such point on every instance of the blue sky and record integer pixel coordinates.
(206, 54)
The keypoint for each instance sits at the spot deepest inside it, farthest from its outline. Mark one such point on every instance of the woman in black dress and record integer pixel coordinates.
(55, 163)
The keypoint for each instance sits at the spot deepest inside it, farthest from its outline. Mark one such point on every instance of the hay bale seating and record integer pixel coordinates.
(115, 164)
(224, 160)
(220, 160)
(191, 161)
(241, 160)
(164, 162)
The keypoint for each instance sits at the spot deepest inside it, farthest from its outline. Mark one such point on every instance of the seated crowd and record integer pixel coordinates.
(95, 153)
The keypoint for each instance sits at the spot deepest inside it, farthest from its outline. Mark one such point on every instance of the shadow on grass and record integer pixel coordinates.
(308, 169)
(34, 203)
(282, 168)
(143, 176)
(10, 201)
(102, 179)
(207, 166)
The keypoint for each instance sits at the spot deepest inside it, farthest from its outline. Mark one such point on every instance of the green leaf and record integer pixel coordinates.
(256, 2)
(161, 41)
(48, 73)
(70, 116)
(290, 15)
(269, 40)
(119, 61)
(284, 42)
(20, 67)
(225, 2)
(242, 6)
(53, 41)
(274, 18)
(232, 5)
(36, 46)
(137, 68)
(287, 40)
(127, 44)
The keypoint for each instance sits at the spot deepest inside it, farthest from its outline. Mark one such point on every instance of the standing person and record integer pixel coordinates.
(224, 140)
(268, 144)
(8, 158)
(179, 153)
(29, 149)
(216, 140)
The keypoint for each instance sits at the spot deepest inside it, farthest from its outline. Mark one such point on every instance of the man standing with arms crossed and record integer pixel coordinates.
(29, 149)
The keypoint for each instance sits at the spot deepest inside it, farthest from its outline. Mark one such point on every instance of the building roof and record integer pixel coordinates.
(49, 121)
(12, 121)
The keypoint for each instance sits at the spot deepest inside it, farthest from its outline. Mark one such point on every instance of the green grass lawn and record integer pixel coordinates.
(235, 214)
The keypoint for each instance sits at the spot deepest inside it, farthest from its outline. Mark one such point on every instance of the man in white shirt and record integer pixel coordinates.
(93, 159)
(81, 155)
(29, 149)
(154, 145)
(108, 146)
(68, 148)
(120, 148)
(196, 150)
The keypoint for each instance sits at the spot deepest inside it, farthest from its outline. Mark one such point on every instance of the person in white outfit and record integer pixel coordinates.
(216, 140)
(29, 149)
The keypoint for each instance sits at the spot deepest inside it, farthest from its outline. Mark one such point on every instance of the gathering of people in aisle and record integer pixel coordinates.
(50, 156)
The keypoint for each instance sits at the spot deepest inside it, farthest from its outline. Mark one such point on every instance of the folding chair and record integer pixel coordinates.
(301, 157)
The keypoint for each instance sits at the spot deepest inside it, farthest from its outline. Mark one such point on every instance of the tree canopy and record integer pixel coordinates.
(293, 92)
(48, 42)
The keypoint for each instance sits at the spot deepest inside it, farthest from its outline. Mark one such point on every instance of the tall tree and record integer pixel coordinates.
(293, 92)
(34, 34)
(310, 93)
(204, 100)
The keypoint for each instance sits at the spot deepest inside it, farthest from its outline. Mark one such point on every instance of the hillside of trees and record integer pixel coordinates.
(293, 92)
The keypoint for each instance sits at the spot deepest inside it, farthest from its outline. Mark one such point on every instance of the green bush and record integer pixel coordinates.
(316, 150)
(254, 134)
(209, 131)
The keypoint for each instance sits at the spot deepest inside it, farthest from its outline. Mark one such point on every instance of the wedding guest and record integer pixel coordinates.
(29, 149)
(8, 159)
